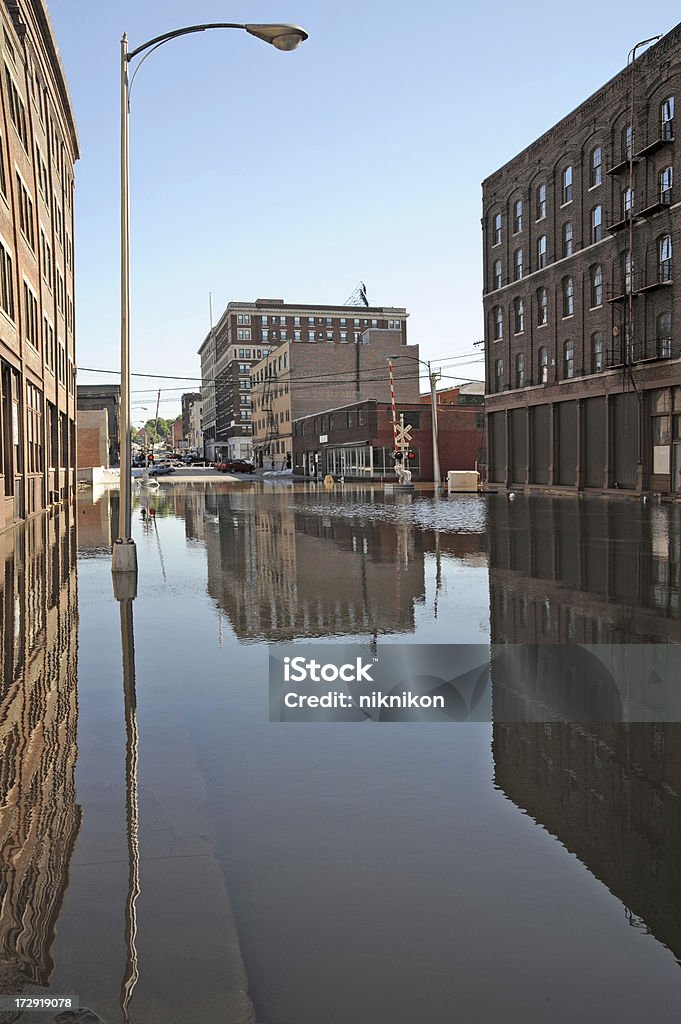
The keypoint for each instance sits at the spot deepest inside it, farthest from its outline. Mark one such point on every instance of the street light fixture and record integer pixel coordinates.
(282, 37)
(433, 377)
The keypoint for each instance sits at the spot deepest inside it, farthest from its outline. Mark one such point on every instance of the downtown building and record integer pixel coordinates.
(582, 327)
(38, 148)
(241, 416)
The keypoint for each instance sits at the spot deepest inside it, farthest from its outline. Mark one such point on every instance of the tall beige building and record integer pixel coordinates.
(38, 148)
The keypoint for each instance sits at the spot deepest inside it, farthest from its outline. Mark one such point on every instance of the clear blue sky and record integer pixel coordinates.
(295, 175)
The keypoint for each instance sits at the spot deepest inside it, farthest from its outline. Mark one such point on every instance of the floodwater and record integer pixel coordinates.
(168, 854)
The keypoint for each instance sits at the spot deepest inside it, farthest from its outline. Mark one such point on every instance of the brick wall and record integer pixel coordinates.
(92, 439)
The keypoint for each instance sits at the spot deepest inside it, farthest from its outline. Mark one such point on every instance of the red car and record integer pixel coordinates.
(235, 466)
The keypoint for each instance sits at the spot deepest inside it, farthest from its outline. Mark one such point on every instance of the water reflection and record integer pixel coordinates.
(39, 816)
(605, 572)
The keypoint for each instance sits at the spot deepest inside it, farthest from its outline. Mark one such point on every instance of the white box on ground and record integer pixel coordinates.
(463, 480)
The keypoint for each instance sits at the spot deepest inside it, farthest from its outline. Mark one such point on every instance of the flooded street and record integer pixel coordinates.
(169, 855)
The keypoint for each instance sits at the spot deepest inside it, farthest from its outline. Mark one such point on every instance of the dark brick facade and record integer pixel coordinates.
(610, 336)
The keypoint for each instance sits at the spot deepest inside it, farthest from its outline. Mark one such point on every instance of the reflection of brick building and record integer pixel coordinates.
(607, 572)
(39, 817)
(356, 441)
(281, 573)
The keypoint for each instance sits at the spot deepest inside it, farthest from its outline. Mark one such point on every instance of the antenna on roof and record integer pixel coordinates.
(358, 297)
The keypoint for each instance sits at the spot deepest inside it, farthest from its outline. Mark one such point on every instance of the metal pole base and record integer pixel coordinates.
(124, 556)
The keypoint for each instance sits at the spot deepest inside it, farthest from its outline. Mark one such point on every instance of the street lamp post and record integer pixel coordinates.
(433, 377)
(282, 37)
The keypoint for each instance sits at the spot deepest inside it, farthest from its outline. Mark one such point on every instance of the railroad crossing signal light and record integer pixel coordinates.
(397, 456)
(411, 455)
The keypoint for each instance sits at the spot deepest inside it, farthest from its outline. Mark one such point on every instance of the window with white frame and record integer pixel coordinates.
(566, 185)
(543, 365)
(596, 167)
(663, 333)
(569, 359)
(520, 370)
(664, 254)
(596, 286)
(568, 297)
(667, 118)
(496, 274)
(568, 241)
(541, 252)
(596, 224)
(541, 201)
(519, 315)
(517, 264)
(517, 216)
(542, 307)
(597, 360)
(665, 184)
(499, 374)
(498, 323)
(496, 229)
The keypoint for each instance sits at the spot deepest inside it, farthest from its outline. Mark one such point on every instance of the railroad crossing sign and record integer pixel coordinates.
(403, 434)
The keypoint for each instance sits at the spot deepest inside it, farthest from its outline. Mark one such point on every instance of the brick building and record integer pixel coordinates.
(582, 331)
(246, 333)
(191, 420)
(38, 148)
(356, 441)
(298, 380)
(101, 398)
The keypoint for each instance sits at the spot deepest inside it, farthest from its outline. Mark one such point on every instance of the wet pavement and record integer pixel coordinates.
(169, 855)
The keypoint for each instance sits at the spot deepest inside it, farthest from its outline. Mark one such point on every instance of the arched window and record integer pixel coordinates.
(517, 264)
(596, 286)
(666, 177)
(542, 307)
(543, 365)
(568, 296)
(597, 363)
(520, 370)
(519, 315)
(664, 258)
(568, 359)
(499, 374)
(667, 118)
(498, 329)
(541, 201)
(541, 252)
(517, 216)
(566, 186)
(596, 166)
(568, 247)
(663, 335)
(596, 224)
(496, 273)
(496, 229)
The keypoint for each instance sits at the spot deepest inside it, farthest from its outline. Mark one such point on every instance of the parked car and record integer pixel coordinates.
(237, 466)
(161, 469)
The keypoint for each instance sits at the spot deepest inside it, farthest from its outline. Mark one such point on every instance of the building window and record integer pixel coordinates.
(665, 180)
(243, 318)
(329, 335)
(597, 364)
(664, 258)
(31, 317)
(627, 142)
(6, 282)
(628, 273)
(343, 322)
(499, 374)
(663, 334)
(596, 286)
(265, 335)
(596, 224)
(543, 365)
(568, 247)
(311, 336)
(296, 335)
(566, 186)
(568, 297)
(542, 307)
(519, 315)
(25, 212)
(627, 201)
(17, 111)
(518, 216)
(344, 337)
(568, 359)
(541, 201)
(667, 118)
(264, 320)
(520, 370)
(496, 229)
(498, 323)
(596, 162)
(517, 264)
(310, 321)
(282, 321)
(541, 252)
(243, 334)
(496, 273)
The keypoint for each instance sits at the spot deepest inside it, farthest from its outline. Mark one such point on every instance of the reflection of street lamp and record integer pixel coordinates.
(433, 377)
(283, 37)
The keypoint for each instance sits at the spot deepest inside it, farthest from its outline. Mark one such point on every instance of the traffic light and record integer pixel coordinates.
(411, 455)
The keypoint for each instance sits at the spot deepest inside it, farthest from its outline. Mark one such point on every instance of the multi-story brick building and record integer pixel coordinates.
(247, 333)
(582, 331)
(191, 420)
(38, 148)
